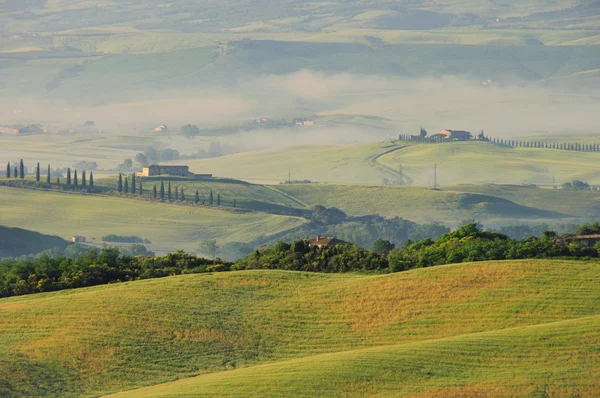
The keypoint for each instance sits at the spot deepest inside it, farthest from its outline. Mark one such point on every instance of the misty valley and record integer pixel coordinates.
(250, 199)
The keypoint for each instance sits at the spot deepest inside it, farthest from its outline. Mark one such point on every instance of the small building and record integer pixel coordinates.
(158, 170)
(582, 240)
(454, 135)
(322, 241)
(161, 129)
(78, 239)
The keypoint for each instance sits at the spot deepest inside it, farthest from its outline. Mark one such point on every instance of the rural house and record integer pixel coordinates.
(173, 171)
(454, 135)
(582, 240)
(322, 241)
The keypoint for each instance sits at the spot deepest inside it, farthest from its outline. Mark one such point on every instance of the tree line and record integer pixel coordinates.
(563, 146)
(164, 192)
(466, 244)
(72, 179)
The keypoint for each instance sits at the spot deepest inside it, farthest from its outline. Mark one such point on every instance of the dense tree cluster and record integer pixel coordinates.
(46, 274)
(298, 256)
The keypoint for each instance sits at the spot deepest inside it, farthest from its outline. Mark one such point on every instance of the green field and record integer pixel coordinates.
(425, 205)
(351, 164)
(457, 163)
(170, 227)
(105, 339)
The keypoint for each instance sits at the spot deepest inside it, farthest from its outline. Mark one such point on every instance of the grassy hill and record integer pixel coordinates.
(582, 204)
(326, 163)
(481, 162)
(555, 359)
(16, 242)
(458, 163)
(450, 206)
(112, 338)
(169, 227)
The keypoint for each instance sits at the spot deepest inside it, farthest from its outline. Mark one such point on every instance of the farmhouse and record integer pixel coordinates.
(78, 239)
(158, 170)
(322, 241)
(454, 135)
(582, 240)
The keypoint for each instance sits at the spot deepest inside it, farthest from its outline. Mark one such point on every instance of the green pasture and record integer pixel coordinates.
(442, 327)
(482, 162)
(170, 227)
(327, 163)
(450, 206)
(555, 359)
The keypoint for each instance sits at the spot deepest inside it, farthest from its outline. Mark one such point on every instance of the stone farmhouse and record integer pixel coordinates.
(454, 135)
(173, 171)
(322, 241)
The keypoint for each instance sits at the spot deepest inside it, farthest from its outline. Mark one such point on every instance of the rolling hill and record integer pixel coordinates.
(458, 163)
(169, 227)
(105, 339)
(16, 242)
(449, 206)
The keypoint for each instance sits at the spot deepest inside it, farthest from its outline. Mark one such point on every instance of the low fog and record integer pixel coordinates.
(433, 103)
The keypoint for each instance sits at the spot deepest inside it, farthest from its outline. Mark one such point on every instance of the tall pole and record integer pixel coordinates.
(434, 175)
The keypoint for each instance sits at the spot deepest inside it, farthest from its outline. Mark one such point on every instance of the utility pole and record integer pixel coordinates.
(434, 175)
(401, 180)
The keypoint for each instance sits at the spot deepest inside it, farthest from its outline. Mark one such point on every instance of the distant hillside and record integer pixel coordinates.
(419, 204)
(94, 341)
(18, 242)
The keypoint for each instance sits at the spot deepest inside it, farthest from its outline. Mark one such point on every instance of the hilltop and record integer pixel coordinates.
(91, 339)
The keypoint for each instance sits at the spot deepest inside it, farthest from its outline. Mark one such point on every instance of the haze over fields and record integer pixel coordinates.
(299, 198)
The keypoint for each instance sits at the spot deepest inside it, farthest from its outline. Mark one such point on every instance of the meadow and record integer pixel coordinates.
(95, 341)
(169, 227)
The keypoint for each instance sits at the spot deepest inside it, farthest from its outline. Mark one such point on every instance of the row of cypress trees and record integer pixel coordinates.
(163, 193)
(19, 172)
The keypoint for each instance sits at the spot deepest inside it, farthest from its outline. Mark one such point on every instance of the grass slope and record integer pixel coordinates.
(480, 162)
(17, 242)
(419, 204)
(328, 163)
(169, 227)
(106, 339)
(583, 204)
(555, 359)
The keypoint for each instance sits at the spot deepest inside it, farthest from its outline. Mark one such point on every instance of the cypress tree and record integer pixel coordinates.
(218, 200)
(169, 192)
(57, 181)
(234, 203)
(154, 192)
(16, 175)
(133, 183)
(176, 194)
(141, 189)
(210, 199)
(197, 197)
(126, 189)
(162, 190)
(182, 195)
(37, 173)
(48, 176)
(120, 183)
(68, 176)
(83, 181)
(75, 182)
(8, 170)
(91, 179)
(21, 170)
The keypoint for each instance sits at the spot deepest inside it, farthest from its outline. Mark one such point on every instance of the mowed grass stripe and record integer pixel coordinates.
(556, 359)
(129, 335)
